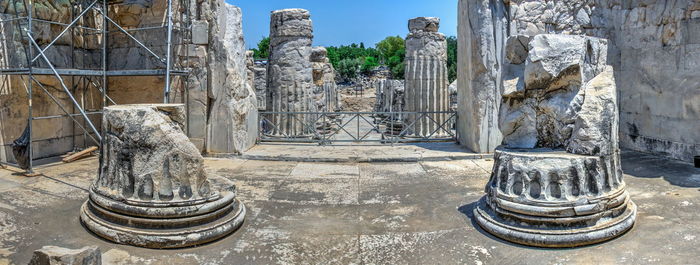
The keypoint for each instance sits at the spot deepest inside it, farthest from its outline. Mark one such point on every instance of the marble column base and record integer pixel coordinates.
(165, 225)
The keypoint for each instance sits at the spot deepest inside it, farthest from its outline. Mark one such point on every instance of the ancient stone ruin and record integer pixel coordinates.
(390, 98)
(208, 71)
(653, 46)
(152, 189)
(232, 114)
(289, 72)
(53, 255)
(557, 179)
(325, 97)
(260, 84)
(426, 77)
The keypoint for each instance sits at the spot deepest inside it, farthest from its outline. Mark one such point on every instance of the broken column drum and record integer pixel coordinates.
(260, 85)
(289, 74)
(390, 105)
(152, 189)
(557, 179)
(324, 92)
(426, 77)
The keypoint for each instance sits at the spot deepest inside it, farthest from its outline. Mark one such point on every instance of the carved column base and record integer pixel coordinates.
(550, 198)
(174, 224)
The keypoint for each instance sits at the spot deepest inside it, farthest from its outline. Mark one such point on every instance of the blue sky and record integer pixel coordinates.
(338, 22)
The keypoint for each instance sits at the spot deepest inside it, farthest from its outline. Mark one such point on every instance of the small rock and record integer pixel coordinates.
(53, 255)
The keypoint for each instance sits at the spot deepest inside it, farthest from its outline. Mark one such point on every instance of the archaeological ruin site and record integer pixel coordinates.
(490, 132)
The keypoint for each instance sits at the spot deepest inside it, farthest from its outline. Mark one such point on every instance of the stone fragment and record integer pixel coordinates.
(53, 255)
(200, 32)
(426, 79)
(260, 84)
(452, 89)
(427, 24)
(152, 189)
(325, 94)
(595, 130)
(482, 32)
(232, 124)
(549, 85)
(517, 49)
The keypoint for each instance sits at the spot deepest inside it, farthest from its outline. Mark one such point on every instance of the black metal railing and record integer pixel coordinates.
(330, 127)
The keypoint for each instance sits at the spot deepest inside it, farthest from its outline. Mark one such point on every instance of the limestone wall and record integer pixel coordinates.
(657, 53)
(218, 94)
(654, 47)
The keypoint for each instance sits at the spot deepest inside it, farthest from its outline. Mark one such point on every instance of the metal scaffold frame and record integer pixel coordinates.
(39, 64)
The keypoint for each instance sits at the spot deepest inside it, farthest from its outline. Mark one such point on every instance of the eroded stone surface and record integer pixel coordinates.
(232, 125)
(557, 179)
(544, 94)
(325, 90)
(426, 77)
(482, 29)
(53, 255)
(152, 189)
(289, 72)
(652, 45)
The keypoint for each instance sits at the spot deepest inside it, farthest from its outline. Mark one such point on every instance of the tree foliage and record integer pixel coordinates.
(263, 50)
(369, 64)
(452, 58)
(350, 60)
(349, 68)
(391, 46)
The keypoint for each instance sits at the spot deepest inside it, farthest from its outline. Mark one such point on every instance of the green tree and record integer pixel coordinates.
(348, 68)
(452, 58)
(333, 56)
(263, 50)
(391, 46)
(369, 64)
(398, 71)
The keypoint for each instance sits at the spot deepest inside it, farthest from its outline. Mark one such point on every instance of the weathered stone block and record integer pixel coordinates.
(200, 32)
(53, 255)
(427, 24)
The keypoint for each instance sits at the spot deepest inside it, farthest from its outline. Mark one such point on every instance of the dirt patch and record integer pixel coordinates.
(358, 101)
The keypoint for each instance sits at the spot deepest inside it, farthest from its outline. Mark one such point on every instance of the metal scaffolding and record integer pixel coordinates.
(84, 77)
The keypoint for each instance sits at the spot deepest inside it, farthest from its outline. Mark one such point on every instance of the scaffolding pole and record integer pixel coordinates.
(34, 68)
(168, 58)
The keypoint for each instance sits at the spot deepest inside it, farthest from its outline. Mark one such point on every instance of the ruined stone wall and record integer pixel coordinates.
(657, 53)
(218, 94)
(653, 47)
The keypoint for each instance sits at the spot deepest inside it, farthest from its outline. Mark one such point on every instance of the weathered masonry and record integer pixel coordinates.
(426, 76)
(150, 51)
(654, 47)
(289, 71)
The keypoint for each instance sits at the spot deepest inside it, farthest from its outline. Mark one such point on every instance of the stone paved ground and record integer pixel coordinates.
(358, 213)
